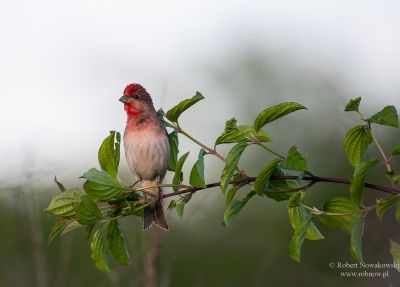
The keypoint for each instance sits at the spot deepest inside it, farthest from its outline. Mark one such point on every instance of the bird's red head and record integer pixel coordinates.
(136, 100)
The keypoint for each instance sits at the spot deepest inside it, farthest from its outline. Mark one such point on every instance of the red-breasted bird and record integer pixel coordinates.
(146, 150)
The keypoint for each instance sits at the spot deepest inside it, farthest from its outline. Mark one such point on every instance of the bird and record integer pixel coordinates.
(146, 150)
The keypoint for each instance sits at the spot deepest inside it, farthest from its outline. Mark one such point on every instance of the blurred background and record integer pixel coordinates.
(64, 64)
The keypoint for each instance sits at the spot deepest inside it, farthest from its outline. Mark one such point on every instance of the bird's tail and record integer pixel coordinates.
(154, 213)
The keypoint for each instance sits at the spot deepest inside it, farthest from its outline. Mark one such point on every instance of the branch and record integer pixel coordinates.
(311, 179)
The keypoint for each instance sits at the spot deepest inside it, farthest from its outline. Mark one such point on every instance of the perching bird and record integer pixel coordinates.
(146, 150)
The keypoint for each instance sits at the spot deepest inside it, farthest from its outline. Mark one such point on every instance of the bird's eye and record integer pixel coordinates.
(135, 97)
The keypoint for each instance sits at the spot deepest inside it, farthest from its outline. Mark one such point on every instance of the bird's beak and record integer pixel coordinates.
(124, 99)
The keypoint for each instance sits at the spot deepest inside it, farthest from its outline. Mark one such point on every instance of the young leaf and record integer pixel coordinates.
(295, 161)
(197, 172)
(264, 175)
(116, 243)
(99, 256)
(101, 186)
(87, 211)
(395, 251)
(353, 105)
(57, 227)
(63, 204)
(396, 150)
(59, 184)
(231, 163)
(357, 183)
(174, 113)
(276, 112)
(356, 240)
(298, 215)
(395, 179)
(345, 213)
(109, 153)
(173, 150)
(178, 177)
(71, 226)
(299, 235)
(230, 125)
(384, 204)
(234, 208)
(356, 142)
(243, 133)
(388, 117)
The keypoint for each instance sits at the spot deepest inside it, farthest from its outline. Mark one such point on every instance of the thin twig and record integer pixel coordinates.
(207, 148)
(270, 150)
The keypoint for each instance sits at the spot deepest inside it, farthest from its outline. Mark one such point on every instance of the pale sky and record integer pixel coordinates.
(64, 64)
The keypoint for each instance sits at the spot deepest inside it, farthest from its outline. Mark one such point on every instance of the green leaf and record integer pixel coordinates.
(356, 142)
(161, 115)
(298, 215)
(231, 192)
(63, 204)
(353, 105)
(338, 206)
(295, 161)
(276, 187)
(174, 113)
(178, 177)
(243, 133)
(263, 177)
(108, 154)
(234, 208)
(356, 240)
(179, 209)
(276, 112)
(173, 150)
(396, 150)
(87, 211)
(71, 226)
(357, 183)
(59, 184)
(395, 251)
(384, 204)
(101, 186)
(99, 256)
(57, 227)
(278, 195)
(116, 243)
(172, 204)
(298, 237)
(197, 172)
(88, 231)
(387, 117)
(397, 214)
(180, 205)
(232, 160)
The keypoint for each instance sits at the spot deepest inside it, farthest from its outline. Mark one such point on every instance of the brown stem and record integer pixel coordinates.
(312, 179)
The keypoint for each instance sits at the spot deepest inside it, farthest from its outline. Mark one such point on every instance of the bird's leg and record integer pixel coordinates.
(138, 179)
(159, 193)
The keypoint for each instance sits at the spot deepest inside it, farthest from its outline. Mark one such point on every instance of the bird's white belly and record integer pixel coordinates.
(147, 153)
